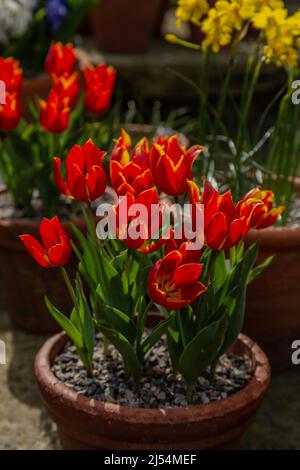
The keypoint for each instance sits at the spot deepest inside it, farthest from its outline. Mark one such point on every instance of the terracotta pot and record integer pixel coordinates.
(273, 299)
(25, 283)
(124, 26)
(85, 423)
(34, 89)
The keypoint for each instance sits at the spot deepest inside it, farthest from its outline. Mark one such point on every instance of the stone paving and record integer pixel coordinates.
(24, 423)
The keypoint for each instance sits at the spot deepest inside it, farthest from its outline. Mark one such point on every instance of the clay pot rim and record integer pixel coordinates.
(109, 411)
(27, 221)
(275, 236)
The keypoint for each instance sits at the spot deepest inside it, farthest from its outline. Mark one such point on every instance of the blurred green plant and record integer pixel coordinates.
(253, 152)
(41, 32)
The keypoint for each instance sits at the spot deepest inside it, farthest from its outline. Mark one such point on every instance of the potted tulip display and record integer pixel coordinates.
(260, 150)
(26, 152)
(192, 381)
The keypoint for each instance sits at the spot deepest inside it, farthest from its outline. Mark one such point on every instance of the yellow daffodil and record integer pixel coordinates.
(230, 12)
(217, 31)
(191, 10)
(280, 35)
(270, 20)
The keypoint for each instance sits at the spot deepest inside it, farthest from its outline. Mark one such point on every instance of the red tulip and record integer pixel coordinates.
(172, 166)
(224, 223)
(182, 245)
(55, 113)
(99, 87)
(173, 284)
(120, 152)
(67, 86)
(136, 229)
(264, 214)
(60, 59)
(129, 178)
(141, 154)
(55, 249)
(85, 177)
(10, 112)
(11, 74)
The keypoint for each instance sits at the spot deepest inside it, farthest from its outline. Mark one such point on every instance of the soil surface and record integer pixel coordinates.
(158, 386)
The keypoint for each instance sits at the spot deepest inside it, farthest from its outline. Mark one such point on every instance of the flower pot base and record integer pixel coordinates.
(85, 423)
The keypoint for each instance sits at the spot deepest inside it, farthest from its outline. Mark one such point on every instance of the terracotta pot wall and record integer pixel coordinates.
(34, 89)
(273, 299)
(88, 424)
(124, 26)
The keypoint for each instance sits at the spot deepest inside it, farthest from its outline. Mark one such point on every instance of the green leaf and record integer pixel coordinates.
(259, 269)
(220, 269)
(119, 321)
(185, 323)
(236, 298)
(235, 320)
(87, 325)
(202, 350)
(66, 324)
(131, 362)
(155, 335)
(174, 347)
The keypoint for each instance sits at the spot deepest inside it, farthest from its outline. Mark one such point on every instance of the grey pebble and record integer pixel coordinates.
(158, 387)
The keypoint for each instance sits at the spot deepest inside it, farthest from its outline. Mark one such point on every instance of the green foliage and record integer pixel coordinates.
(197, 338)
(26, 156)
(79, 327)
(38, 36)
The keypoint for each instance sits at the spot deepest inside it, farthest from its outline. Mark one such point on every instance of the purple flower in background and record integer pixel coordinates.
(56, 11)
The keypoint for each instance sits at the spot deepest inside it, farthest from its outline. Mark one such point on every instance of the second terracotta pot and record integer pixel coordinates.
(34, 89)
(25, 283)
(85, 424)
(124, 26)
(273, 299)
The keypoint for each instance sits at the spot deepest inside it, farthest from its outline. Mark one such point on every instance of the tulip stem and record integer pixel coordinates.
(127, 267)
(211, 266)
(181, 318)
(69, 285)
(51, 146)
(92, 219)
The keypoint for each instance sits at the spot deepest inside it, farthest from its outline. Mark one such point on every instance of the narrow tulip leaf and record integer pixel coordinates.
(87, 325)
(174, 347)
(74, 317)
(155, 335)
(220, 269)
(202, 350)
(185, 323)
(259, 269)
(236, 299)
(119, 321)
(88, 261)
(66, 324)
(111, 284)
(235, 320)
(131, 362)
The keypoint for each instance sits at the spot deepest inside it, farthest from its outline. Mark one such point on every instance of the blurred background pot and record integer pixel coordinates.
(25, 283)
(33, 89)
(273, 299)
(124, 26)
(85, 423)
